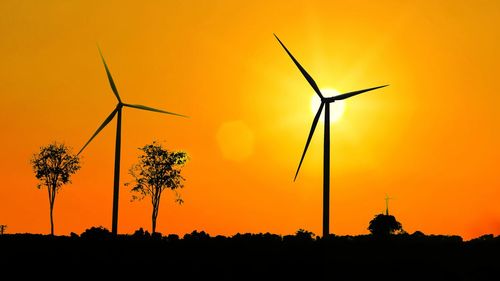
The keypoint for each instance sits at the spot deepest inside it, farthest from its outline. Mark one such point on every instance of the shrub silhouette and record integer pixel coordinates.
(384, 225)
(418, 234)
(140, 233)
(172, 237)
(304, 234)
(98, 232)
(197, 236)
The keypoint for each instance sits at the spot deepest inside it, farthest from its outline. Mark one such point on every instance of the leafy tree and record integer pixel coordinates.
(158, 169)
(53, 167)
(384, 225)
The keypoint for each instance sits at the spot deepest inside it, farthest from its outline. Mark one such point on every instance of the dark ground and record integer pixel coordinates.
(198, 256)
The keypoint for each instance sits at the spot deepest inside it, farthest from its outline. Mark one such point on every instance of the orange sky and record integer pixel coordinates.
(430, 140)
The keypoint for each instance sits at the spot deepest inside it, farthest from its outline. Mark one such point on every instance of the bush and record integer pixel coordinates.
(98, 232)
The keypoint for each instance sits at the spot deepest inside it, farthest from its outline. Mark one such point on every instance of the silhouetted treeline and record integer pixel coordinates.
(199, 256)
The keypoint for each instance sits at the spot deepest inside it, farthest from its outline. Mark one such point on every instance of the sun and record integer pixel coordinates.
(337, 108)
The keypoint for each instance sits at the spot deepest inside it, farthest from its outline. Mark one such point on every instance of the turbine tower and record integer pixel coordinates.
(325, 102)
(387, 198)
(118, 111)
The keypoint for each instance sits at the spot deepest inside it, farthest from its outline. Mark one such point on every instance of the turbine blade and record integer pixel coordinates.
(110, 117)
(311, 132)
(302, 70)
(350, 94)
(110, 78)
(138, 106)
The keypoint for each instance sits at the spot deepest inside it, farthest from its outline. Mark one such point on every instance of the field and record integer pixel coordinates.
(198, 256)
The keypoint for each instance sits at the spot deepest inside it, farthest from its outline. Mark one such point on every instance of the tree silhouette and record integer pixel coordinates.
(53, 167)
(384, 225)
(3, 227)
(157, 170)
(304, 234)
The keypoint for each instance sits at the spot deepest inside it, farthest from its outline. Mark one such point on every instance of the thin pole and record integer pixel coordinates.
(387, 205)
(116, 185)
(326, 173)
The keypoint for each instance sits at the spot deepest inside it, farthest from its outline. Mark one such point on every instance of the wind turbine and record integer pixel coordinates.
(387, 198)
(325, 102)
(118, 111)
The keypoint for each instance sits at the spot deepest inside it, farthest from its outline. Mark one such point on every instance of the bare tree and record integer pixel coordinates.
(3, 227)
(158, 169)
(53, 167)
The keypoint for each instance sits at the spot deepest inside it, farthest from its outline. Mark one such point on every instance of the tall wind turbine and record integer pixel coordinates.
(118, 111)
(325, 102)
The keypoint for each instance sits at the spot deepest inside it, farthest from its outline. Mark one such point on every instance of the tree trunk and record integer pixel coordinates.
(51, 207)
(51, 219)
(153, 217)
(155, 200)
(154, 224)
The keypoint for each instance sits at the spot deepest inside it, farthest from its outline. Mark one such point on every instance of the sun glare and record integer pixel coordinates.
(336, 108)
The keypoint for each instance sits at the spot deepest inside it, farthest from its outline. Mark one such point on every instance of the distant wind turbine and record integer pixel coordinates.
(118, 110)
(387, 198)
(325, 102)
